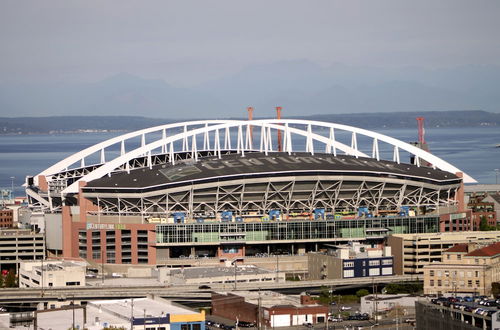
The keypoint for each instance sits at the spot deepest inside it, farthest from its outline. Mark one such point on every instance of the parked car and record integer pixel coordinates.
(335, 319)
(345, 308)
(204, 287)
(307, 324)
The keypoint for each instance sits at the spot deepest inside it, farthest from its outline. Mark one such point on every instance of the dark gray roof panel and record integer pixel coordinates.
(258, 164)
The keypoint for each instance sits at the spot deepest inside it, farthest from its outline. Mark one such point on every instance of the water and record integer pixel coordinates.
(470, 149)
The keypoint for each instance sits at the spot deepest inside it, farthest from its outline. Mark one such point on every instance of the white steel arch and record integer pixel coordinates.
(221, 130)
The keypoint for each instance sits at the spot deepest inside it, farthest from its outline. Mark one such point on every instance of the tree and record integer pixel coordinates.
(483, 225)
(362, 292)
(10, 280)
(1, 281)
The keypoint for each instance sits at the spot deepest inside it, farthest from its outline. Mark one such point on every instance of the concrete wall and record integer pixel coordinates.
(396, 244)
(321, 264)
(53, 231)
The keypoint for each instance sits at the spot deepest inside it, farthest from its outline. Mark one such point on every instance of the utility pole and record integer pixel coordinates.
(277, 267)
(234, 262)
(43, 256)
(132, 314)
(73, 308)
(144, 319)
(259, 325)
(102, 264)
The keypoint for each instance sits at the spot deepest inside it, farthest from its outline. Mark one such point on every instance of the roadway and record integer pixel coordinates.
(181, 292)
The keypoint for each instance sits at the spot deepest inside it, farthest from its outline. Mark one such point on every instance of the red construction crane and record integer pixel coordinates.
(421, 130)
(278, 116)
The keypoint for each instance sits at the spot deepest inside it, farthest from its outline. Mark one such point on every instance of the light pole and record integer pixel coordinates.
(12, 186)
(496, 175)
(234, 262)
(277, 266)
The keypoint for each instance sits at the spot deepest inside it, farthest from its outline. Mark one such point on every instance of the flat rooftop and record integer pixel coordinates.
(154, 308)
(269, 298)
(255, 164)
(202, 272)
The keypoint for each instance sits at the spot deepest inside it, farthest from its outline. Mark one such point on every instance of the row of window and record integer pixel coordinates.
(371, 272)
(376, 262)
(454, 284)
(454, 273)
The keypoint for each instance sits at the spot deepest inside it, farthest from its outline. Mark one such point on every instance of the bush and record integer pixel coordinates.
(362, 292)
(10, 280)
(412, 288)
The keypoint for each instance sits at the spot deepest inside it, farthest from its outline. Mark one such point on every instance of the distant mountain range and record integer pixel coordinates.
(301, 87)
(67, 124)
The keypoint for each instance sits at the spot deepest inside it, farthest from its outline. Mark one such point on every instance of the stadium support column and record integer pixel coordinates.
(67, 241)
(84, 204)
(460, 195)
(42, 183)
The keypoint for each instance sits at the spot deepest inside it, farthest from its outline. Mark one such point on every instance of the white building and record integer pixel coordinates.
(54, 273)
(386, 302)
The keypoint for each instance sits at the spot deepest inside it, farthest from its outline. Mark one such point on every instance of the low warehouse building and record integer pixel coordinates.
(276, 310)
(51, 274)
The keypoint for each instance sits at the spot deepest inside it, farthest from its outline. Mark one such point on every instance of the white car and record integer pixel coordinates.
(345, 308)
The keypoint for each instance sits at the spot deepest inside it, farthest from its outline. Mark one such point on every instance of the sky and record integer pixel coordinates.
(191, 42)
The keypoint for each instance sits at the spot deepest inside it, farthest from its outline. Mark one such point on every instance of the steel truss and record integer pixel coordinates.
(256, 197)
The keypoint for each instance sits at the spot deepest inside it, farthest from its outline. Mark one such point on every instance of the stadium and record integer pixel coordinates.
(235, 188)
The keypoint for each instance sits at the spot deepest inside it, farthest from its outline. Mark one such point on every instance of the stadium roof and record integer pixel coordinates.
(258, 164)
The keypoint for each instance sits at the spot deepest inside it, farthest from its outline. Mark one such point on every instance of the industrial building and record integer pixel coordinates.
(382, 303)
(267, 308)
(51, 273)
(412, 252)
(229, 188)
(350, 262)
(137, 314)
(207, 275)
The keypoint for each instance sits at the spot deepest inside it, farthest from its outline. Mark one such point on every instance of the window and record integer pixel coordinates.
(446, 273)
(477, 261)
(478, 282)
(196, 327)
(477, 273)
(374, 263)
(185, 327)
(349, 264)
(448, 256)
(431, 283)
(469, 283)
(461, 274)
(439, 283)
(348, 273)
(431, 273)
(439, 274)
(459, 257)
(387, 262)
